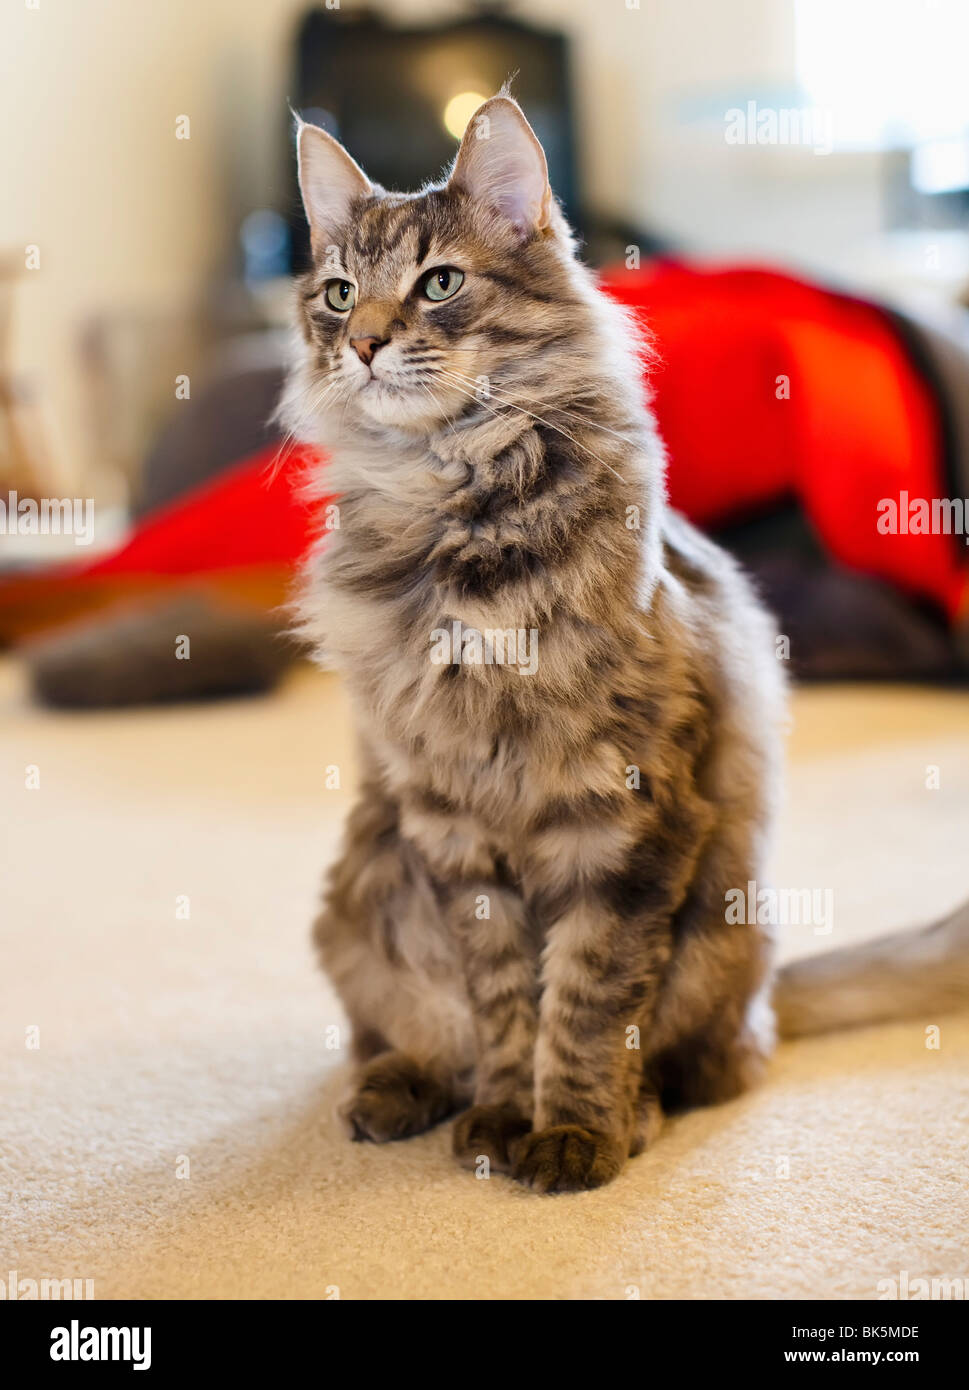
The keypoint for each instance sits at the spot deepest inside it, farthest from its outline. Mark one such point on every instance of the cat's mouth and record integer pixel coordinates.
(379, 383)
(388, 382)
(400, 402)
(385, 376)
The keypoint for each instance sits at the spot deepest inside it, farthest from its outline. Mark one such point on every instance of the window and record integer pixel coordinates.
(893, 73)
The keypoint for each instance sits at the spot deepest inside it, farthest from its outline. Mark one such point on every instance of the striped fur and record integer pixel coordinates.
(528, 913)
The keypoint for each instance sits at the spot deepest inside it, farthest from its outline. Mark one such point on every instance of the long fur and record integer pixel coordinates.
(528, 914)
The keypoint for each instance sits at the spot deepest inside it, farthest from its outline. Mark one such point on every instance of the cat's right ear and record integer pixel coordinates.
(329, 180)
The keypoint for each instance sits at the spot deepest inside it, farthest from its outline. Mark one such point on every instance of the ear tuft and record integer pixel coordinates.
(501, 163)
(329, 180)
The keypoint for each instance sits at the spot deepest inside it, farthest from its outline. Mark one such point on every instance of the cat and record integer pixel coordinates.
(570, 710)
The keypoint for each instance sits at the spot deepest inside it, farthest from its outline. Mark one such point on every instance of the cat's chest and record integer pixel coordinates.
(404, 606)
(428, 668)
(446, 680)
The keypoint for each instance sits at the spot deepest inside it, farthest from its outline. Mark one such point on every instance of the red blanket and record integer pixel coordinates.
(766, 387)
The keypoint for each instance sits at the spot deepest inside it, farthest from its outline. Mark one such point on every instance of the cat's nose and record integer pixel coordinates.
(366, 348)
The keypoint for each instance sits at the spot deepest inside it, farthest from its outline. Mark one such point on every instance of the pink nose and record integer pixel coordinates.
(366, 348)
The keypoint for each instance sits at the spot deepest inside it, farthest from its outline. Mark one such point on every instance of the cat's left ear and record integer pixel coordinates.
(501, 163)
(329, 180)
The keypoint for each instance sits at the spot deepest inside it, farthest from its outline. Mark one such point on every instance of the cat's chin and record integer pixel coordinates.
(396, 409)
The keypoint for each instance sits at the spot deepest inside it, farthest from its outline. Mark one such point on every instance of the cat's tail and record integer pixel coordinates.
(912, 974)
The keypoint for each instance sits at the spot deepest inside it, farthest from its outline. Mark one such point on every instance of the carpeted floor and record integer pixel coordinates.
(172, 1136)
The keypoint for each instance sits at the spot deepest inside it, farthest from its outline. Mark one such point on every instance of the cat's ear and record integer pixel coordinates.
(329, 180)
(501, 163)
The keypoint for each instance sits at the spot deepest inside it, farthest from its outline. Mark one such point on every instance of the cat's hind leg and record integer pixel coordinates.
(719, 1063)
(393, 1097)
(648, 1117)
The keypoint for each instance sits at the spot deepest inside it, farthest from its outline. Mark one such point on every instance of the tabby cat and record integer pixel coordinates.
(569, 705)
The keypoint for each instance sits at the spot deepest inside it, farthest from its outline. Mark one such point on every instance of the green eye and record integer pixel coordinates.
(443, 282)
(340, 295)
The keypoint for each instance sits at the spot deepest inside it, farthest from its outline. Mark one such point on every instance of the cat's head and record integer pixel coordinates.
(419, 305)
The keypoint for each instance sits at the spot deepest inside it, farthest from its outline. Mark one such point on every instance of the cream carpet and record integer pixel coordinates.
(171, 1136)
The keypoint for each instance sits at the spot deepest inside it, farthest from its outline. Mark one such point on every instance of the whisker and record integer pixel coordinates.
(563, 410)
(290, 438)
(512, 405)
(470, 395)
(545, 405)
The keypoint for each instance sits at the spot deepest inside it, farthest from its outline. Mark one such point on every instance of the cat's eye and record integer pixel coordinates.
(340, 295)
(442, 282)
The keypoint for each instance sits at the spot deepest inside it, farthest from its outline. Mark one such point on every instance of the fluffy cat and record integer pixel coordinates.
(569, 706)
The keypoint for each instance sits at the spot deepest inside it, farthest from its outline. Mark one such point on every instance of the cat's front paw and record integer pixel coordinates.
(568, 1158)
(494, 1132)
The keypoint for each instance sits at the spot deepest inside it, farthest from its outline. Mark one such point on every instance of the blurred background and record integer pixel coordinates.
(779, 190)
(151, 225)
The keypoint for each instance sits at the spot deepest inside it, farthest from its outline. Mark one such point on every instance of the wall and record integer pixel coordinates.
(129, 218)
